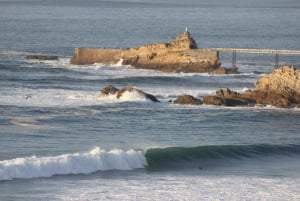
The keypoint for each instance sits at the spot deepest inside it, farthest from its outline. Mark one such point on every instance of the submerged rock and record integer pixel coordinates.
(223, 70)
(188, 100)
(111, 90)
(132, 89)
(108, 90)
(41, 57)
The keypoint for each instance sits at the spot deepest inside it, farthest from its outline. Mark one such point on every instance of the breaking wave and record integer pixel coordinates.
(77, 163)
(152, 159)
(126, 97)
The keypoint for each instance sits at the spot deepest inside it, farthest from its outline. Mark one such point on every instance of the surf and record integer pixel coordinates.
(75, 163)
(154, 159)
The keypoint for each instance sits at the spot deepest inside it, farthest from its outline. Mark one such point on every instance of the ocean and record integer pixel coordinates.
(60, 141)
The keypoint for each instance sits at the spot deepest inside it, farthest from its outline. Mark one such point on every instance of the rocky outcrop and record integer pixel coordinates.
(226, 97)
(188, 100)
(180, 55)
(108, 90)
(272, 97)
(111, 90)
(41, 57)
(282, 79)
(280, 88)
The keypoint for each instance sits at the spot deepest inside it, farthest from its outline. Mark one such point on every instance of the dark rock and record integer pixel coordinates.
(41, 57)
(108, 90)
(188, 99)
(111, 90)
(227, 97)
(213, 100)
(227, 93)
(132, 89)
(223, 70)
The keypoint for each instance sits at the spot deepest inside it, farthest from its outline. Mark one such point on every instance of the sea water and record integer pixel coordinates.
(60, 141)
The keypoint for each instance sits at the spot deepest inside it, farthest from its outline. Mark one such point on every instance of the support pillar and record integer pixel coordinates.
(233, 59)
(276, 65)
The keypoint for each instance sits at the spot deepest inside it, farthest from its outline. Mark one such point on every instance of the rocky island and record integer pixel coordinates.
(181, 55)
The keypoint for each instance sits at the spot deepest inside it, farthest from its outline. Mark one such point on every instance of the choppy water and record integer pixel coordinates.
(60, 141)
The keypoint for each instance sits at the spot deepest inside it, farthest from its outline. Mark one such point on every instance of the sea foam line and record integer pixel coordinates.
(76, 163)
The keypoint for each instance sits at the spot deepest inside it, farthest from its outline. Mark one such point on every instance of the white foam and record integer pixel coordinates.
(27, 122)
(11, 52)
(76, 163)
(127, 96)
(182, 187)
(132, 96)
(47, 97)
(118, 64)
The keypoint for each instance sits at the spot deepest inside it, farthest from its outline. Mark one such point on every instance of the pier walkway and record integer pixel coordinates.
(257, 51)
(276, 52)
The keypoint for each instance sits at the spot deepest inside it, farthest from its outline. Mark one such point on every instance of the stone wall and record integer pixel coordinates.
(84, 56)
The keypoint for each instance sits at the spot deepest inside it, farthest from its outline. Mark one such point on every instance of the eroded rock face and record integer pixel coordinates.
(180, 55)
(282, 79)
(188, 100)
(111, 90)
(270, 97)
(281, 88)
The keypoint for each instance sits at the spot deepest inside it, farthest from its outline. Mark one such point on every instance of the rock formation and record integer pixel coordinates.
(282, 79)
(281, 88)
(41, 57)
(108, 90)
(180, 55)
(188, 100)
(227, 97)
(111, 90)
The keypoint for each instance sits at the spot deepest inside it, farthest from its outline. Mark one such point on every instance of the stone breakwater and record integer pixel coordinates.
(181, 55)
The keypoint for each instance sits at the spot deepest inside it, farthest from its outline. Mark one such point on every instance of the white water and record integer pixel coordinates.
(76, 163)
(127, 96)
(47, 97)
(176, 187)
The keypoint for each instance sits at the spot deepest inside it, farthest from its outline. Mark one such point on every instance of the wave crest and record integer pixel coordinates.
(76, 163)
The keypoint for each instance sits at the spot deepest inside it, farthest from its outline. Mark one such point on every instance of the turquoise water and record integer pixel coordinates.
(60, 141)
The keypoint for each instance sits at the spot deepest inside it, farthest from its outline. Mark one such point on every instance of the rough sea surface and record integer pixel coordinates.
(60, 141)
